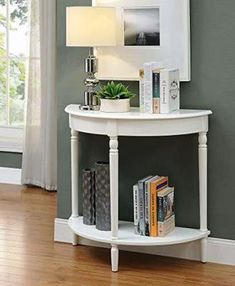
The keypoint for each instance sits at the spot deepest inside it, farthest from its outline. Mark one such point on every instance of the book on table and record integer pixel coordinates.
(169, 90)
(148, 85)
(159, 89)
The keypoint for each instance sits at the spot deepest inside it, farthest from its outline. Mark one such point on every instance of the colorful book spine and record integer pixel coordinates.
(155, 186)
(169, 90)
(141, 89)
(165, 203)
(161, 183)
(136, 208)
(153, 212)
(147, 207)
(141, 192)
(148, 86)
(156, 91)
(167, 226)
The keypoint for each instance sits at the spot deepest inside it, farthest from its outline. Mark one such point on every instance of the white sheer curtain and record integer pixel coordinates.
(39, 165)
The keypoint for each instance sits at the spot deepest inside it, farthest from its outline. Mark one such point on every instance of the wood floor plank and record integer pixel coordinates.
(29, 256)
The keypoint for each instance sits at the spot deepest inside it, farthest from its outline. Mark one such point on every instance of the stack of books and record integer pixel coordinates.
(159, 89)
(153, 200)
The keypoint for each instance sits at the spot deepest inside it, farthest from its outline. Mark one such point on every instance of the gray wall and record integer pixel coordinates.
(212, 87)
(10, 160)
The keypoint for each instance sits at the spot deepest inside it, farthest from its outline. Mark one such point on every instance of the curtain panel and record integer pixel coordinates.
(39, 164)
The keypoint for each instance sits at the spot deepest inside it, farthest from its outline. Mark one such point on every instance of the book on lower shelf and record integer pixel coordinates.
(166, 226)
(141, 192)
(136, 208)
(153, 203)
(147, 201)
(165, 202)
(157, 184)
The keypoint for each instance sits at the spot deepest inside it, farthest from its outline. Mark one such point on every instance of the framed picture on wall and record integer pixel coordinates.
(147, 31)
(141, 27)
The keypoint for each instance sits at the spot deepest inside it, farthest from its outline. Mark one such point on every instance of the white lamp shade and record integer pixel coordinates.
(90, 27)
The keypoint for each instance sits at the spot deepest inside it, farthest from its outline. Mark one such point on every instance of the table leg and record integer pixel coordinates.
(113, 161)
(114, 257)
(74, 178)
(202, 153)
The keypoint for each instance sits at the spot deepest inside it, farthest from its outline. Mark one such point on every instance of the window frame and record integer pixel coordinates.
(11, 137)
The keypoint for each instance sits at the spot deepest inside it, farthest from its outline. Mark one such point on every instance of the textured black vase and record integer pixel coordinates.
(88, 184)
(102, 197)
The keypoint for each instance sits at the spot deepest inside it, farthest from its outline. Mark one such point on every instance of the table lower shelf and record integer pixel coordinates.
(126, 234)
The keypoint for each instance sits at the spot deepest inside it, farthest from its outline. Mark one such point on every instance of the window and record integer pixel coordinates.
(13, 59)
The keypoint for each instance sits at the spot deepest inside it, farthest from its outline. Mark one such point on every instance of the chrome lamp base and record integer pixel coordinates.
(91, 83)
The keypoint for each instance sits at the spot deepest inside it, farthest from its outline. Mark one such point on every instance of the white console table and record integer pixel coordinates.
(135, 123)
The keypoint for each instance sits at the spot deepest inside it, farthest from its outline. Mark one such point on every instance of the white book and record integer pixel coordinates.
(169, 90)
(148, 85)
(141, 89)
(136, 208)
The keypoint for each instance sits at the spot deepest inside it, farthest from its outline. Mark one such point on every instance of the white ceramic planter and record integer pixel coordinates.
(115, 105)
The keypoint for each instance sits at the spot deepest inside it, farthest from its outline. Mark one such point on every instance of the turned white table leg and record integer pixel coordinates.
(202, 153)
(74, 177)
(113, 161)
(114, 257)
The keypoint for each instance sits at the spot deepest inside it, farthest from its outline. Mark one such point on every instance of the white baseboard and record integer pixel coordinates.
(220, 251)
(62, 232)
(10, 176)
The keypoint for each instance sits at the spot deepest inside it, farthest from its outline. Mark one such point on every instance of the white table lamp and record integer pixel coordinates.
(91, 27)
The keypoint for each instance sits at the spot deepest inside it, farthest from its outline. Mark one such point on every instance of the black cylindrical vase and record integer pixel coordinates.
(102, 196)
(88, 184)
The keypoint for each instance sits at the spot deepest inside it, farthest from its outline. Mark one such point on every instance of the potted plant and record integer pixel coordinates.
(114, 97)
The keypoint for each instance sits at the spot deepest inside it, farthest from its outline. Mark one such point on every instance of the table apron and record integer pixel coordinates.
(135, 127)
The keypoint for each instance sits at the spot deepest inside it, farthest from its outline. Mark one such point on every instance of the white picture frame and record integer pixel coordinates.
(123, 62)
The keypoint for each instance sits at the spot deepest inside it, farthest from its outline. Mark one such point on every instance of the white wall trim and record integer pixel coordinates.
(62, 232)
(10, 176)
(11, 139)
(220, 251)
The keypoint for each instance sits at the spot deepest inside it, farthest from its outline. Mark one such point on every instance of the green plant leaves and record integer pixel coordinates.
(114, 91)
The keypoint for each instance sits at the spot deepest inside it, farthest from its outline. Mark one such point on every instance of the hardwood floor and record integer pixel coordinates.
(28, 255)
